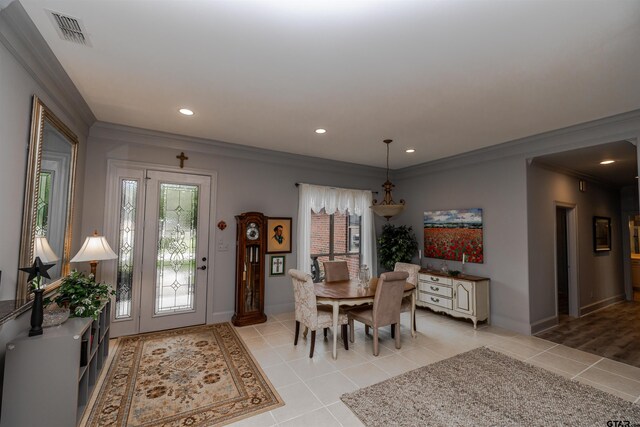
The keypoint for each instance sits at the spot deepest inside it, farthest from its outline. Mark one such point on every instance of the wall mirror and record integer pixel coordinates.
(48, 200)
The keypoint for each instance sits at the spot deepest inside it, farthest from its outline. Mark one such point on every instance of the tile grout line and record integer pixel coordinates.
(587, 368)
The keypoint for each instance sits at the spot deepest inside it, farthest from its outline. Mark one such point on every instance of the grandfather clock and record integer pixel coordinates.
(250, 254)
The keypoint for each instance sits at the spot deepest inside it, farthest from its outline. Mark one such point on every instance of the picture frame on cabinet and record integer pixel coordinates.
(277, 263)
(601, 234)
(279, 235)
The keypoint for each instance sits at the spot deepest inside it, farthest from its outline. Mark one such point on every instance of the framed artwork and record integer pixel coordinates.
(279, 235)
(454, 235)
(277, 265)
(601, 234)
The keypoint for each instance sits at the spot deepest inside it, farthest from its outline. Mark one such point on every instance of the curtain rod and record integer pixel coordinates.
(297, 184)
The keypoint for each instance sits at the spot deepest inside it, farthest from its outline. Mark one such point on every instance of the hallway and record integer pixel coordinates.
(613, 332)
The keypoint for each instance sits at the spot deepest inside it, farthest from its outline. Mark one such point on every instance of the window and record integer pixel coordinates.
(336, 237)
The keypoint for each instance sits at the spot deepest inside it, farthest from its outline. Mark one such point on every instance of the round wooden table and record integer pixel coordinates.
(348, 293)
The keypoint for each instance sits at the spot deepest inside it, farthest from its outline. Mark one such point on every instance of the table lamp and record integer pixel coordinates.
(42, 249)
(94, 249)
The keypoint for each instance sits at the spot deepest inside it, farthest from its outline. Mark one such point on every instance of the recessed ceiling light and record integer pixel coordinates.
(321, 130)
(410, 150)
(607, 162)
(186, 112)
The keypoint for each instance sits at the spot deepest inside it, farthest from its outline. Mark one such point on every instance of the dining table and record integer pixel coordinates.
(352, 293)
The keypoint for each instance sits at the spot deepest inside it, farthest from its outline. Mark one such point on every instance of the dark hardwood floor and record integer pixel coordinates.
(613, 332)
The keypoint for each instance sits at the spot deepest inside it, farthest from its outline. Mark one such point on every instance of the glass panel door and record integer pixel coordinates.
(175, 248)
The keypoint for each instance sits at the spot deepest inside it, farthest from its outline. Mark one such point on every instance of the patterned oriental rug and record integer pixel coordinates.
(486, 388)
(197, 376)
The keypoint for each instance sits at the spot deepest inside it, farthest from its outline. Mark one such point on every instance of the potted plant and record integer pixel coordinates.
(396, 244)
(83, 296)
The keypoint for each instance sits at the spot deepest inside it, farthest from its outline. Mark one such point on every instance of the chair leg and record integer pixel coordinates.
(414, 321)
(295, 340)
(313, 343)
(376, 349)
(398, 336)
(393, 331)
(325, 332)
(345, 337)
(352, 334)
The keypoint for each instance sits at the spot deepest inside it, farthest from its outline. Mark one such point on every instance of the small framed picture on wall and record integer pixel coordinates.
(601, 234)
(279, 235)
(277, 265)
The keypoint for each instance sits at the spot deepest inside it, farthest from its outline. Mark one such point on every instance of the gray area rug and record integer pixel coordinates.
(486, 388)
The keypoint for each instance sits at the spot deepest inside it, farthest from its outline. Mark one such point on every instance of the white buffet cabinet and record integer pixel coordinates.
(463, 296)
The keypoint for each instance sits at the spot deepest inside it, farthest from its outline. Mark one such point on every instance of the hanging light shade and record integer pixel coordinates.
(387, 207)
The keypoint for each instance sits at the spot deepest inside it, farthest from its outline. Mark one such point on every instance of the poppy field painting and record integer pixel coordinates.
(451, 234)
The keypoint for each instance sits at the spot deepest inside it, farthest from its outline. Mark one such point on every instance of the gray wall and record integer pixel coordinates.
(600, 275)
(19, 81)
(499, 188)
(24, 73)
(247, 180)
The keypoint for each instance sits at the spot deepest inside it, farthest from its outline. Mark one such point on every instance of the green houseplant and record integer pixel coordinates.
(82, 294)
(396, 244)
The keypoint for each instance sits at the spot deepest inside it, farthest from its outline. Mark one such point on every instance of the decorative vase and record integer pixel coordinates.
(36, 313)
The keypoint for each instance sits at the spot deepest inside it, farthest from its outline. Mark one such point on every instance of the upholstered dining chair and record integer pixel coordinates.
(310, 314)
(413, 270)
(386, 307)
(335, 271)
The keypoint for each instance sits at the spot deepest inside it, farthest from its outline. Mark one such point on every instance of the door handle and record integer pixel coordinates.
(204, 267)
(204, 258)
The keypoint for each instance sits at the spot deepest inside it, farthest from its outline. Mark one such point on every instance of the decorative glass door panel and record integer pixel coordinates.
(177, 242)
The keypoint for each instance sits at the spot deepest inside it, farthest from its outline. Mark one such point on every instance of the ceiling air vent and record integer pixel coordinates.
(69, 28)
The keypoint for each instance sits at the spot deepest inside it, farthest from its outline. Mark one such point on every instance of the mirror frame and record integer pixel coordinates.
(39, 115)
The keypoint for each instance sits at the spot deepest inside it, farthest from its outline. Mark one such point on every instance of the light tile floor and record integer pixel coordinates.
(311, 388)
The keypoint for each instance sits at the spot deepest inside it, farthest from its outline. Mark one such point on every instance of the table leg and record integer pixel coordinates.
(413, 313)
(335, 329)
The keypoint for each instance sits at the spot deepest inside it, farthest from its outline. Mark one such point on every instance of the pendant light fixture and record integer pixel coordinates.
(387, 207)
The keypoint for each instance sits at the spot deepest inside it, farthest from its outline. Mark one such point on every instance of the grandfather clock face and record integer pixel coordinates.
(253, 232)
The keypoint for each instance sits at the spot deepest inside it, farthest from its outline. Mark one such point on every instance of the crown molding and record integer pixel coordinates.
(625, 126)
(21, 37)
(110, 132)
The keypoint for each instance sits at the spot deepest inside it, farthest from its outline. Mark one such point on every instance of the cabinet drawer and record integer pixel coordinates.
(436, 279)
(434, 288)
(436, 300)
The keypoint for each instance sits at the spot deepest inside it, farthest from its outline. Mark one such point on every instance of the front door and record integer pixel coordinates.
(162, 246)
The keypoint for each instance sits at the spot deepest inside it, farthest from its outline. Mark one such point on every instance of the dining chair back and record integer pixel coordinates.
(386, 303)
(413, 271)
(308, 313)
(335, 271)
(386, 307)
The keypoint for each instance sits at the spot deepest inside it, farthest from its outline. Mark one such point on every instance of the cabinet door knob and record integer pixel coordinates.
(435, 299)
(435, 279)
(433, 288)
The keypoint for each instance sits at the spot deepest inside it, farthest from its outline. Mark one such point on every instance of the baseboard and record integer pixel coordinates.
(219, 317)
(544, 324)
(587, 309)
(510, 324)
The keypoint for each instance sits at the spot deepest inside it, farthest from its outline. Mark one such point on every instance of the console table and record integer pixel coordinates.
(463, 296)
(48, 379)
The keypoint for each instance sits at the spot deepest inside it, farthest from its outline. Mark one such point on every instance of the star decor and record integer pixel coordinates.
(37, 269)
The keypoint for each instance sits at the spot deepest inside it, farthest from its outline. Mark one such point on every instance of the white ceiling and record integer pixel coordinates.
(443, 76)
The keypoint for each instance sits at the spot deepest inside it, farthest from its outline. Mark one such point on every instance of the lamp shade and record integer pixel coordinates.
(387, 211)
(95, 248)
(42, 250)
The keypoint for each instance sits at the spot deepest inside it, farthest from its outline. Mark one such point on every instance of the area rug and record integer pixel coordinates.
(197, 376)
(486, 388)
